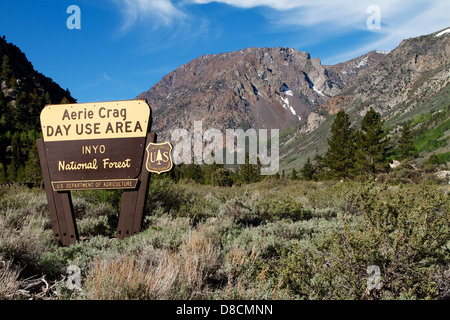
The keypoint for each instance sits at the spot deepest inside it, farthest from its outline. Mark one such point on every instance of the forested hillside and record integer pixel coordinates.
(23, 94)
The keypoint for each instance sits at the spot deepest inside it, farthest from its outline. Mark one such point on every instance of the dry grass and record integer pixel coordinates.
(200, 257)
(239, 263)
(124, 278)
(22, 246)
(165, 275)
(8, 280)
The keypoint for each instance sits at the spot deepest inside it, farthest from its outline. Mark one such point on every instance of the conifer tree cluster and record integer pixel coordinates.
(364, 152)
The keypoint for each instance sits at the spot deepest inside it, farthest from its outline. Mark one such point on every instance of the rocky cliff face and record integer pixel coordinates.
(409, 75)
(350, 70)
(252, 88)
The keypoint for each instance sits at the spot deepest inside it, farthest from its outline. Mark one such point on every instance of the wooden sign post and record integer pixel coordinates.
(96, 146)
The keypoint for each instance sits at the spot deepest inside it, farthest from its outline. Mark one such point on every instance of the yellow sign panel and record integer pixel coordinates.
(102, 120)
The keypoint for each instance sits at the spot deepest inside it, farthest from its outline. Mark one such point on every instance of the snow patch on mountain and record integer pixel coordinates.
(318, 91)
(292, 110)
(287, 106)
(442, 33)
(285, 102)
(363, 62)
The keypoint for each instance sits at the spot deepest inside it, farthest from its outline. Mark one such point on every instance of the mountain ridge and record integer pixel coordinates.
(254, 87)
(251, 88)
(285, 88)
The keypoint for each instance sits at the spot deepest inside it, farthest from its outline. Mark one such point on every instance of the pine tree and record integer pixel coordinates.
(6, 68)
(194, 172)
(294, 175)
(3, 122)
(405, 147)
(47, 99)
(236, 177)
(319, 167)
(13, 82)
(32, 168)
(308, 171)
(340, 155)
(209, 170)
(16, 158)
(2, 174)
(249, 173)
(371, 145)
(65, 101)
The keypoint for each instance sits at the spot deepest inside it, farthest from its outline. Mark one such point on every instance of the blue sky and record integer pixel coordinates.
(124, 47)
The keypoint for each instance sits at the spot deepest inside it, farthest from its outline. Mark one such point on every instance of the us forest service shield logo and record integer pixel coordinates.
(159, 157)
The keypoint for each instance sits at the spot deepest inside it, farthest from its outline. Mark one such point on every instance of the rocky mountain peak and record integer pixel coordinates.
(413, 72)
(253, 87)
(348, 71)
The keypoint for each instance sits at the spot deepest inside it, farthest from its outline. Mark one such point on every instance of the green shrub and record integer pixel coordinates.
(276, 206)
(255, 208)
(166, 194)
(243, 209)
(439, 158)
(269, 240)
(222, 178)
(95, 226)
(113, 197)
(342, 197)
(403, 231)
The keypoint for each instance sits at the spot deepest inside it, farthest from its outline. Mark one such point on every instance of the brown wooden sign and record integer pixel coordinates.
(104, 159)
(97, 141)
(95, 146)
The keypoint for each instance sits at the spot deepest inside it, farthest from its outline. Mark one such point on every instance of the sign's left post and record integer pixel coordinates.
(59, 205)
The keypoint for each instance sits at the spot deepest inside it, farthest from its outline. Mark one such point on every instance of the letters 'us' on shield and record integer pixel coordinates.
(96, 146)
(159, 157)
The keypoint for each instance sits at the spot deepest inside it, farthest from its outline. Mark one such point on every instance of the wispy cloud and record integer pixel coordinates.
(323, 19)
(343, 15)
(274, 4)
(149, 12)
(317, 21)
(411, 22)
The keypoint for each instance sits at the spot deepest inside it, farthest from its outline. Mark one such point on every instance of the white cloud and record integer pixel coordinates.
(152, 12)
(323, 19)
(274, 4)
(337, 13)
(316, 21)
(416, 23)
